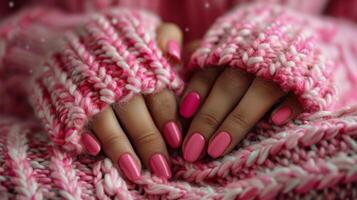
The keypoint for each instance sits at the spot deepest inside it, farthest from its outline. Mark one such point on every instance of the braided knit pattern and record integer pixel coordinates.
(305, 159)
(274, 43)
(115, 56)
(112, 58)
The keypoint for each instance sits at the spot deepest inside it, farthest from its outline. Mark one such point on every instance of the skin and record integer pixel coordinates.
(116, 128)
(231, 100)
(119, 129)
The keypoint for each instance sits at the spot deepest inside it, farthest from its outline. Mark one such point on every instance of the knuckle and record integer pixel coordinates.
(161, 101)
(234, 82)
(232, 75)
(268, 88)
(148, 137)
(207, 119)
(120, 107)
(239, 120)
(205, 77)
(112, 141)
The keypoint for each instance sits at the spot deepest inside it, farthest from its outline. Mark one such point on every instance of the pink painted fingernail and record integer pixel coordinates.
(219, 144)
(128, 166)
(173, 49)
(172, 134)
(159, 166)
(90, 144)
(194, 147)
(282, 115)
(189, 104)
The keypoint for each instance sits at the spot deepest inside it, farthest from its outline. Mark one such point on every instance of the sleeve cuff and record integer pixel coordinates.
(114, 57)
(276, 44)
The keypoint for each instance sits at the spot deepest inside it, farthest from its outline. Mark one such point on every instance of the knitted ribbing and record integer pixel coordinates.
(313, 157)
(112, 58)
(316, 159)
(276, 44)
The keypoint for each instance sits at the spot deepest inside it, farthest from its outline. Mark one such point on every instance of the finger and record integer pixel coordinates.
(91, 143)
(163, 107)
(169, 38)
(288, 110)
(143, 134)
(190, 48)
(115, 143)
(229, 87)
(197, 90)
(260, 97)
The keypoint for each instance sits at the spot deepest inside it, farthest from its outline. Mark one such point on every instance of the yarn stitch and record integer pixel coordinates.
(115, 57)
(273, 43)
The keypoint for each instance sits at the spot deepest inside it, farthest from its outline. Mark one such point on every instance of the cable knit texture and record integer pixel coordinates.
(115, 56)
(273, 43)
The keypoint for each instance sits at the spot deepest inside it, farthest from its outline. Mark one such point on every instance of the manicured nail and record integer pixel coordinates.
(128, 166)
(172, 134)
(194, 147)
(90, 144)
(173, 49)
(282, 115)
(159, 166)
(189, 104)
(219, 144)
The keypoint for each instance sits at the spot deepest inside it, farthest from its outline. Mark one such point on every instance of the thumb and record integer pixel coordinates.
(169, 37)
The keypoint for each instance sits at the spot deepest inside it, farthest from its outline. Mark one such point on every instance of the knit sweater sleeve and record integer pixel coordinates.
(109, 58)
(303, 54)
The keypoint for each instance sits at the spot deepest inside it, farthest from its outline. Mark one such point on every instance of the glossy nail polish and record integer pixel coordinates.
(90, 144)
(194, 147)
(282, 115)
(160, 166)
(173, 49)
(172, 134)
(219, 144)
(189, 104)
(127, 164)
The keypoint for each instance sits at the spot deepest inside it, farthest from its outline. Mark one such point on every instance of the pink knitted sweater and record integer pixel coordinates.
(94, 59)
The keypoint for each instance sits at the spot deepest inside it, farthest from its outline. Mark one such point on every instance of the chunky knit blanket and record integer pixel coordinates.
(113, 55)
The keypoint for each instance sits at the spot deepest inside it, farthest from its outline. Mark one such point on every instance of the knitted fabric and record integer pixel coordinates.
(316, 159)
(114, 57)
(312, 157)
(275, 44)
(25, 38)
(194, 17)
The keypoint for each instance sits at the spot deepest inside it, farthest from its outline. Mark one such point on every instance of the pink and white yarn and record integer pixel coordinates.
(115, 56)
(315, 159)
(276, 44)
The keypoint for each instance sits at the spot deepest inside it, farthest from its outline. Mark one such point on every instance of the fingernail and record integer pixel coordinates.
(194, 147)
(90, 144)
(173, 49)
(159, 166)
(172, 134)
(128, 166)
(189, 104)
(219, 144)
(282, 115)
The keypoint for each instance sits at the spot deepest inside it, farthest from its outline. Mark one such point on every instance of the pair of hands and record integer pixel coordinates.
(224, 104)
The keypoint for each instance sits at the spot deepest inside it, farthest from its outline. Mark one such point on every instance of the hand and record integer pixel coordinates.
(130, 132)
(225, 104)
